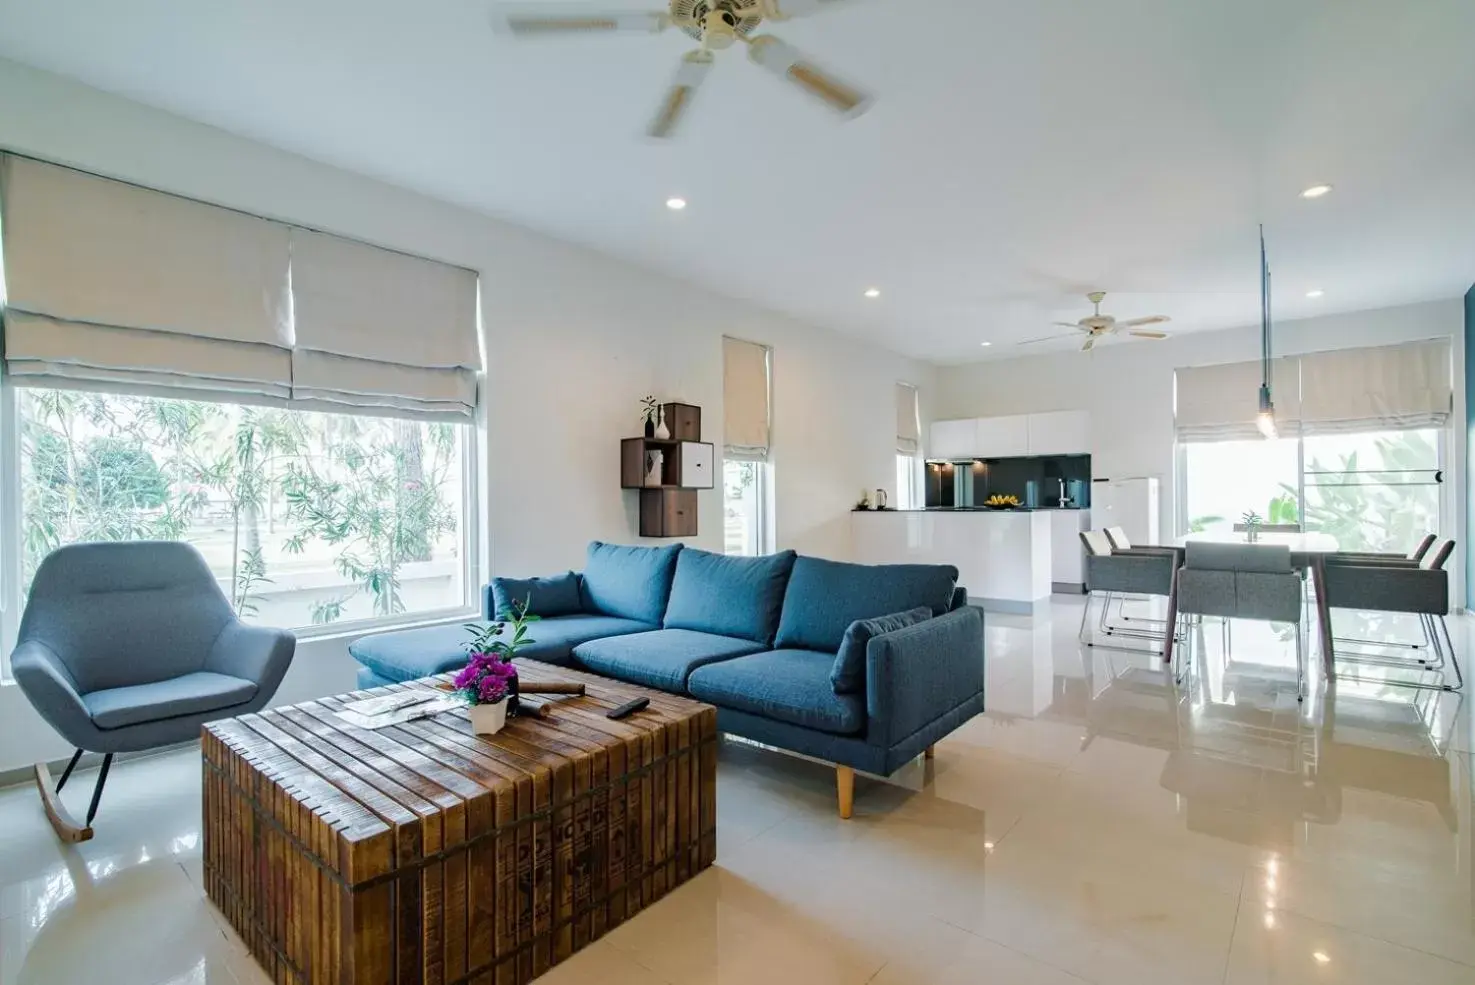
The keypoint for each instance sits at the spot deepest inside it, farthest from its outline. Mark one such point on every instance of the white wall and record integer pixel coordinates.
(573, 340)
(1128, 388)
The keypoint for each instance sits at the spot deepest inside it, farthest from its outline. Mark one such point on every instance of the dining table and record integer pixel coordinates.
(1309, 551)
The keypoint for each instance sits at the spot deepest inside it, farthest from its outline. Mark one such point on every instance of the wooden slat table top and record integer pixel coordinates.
(399, 795)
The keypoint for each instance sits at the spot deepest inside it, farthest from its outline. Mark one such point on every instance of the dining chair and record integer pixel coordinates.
(1420, 589)
(1113, 574)
(1241, 581)
(1414, 557)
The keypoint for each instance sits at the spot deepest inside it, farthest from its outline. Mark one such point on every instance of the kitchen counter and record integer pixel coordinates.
(1003, 557)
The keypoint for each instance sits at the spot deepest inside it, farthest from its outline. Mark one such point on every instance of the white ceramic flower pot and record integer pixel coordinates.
(489, 719)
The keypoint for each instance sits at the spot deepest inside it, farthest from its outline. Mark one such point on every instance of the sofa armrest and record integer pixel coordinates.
(917, 674)
(49, 687)
(254, 653)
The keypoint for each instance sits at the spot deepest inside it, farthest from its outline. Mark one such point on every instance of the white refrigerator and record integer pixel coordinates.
(1131, 504)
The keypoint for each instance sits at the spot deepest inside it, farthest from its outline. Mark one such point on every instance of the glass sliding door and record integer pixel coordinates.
(1224, 480)
(1376, 490)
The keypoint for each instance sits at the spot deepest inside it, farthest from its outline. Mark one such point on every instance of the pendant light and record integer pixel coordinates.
(1265, 419)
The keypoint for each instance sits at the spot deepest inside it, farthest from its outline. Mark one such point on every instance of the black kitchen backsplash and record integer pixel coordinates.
(1035, 481)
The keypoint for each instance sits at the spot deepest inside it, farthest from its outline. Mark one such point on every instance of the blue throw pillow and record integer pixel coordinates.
(729, 596)
(825, 597)
(556, 595)
(848, 676)
(628, 582)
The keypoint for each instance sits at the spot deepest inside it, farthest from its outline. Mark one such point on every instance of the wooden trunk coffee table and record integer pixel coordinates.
(424, 853)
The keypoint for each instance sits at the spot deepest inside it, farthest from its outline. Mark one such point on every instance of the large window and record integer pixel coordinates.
(1372, 490)
(744, 507)
(305, 518)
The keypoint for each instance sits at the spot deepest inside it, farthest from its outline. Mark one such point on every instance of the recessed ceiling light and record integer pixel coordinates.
(1316, 293)
(1321, 957)
(985, 344)
(675, 204)
(1316, 191)
(873, 292)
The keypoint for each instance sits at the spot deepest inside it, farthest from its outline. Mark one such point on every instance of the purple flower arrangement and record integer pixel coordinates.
(486, 679)
(489, 675)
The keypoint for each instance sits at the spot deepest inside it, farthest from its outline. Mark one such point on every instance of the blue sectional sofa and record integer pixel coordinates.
(863, 666)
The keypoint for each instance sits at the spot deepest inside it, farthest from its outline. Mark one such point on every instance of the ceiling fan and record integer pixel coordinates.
(1098, 326)
(718, 25)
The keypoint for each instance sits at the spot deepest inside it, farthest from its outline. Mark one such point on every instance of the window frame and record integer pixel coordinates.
(762, 497)
(473, 549)
(1442, 447)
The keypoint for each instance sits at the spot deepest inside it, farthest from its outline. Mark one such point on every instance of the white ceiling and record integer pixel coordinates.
(1019, 153)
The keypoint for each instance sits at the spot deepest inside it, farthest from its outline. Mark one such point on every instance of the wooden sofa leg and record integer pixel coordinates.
(845, 786)
(931, 752)
(67, 829)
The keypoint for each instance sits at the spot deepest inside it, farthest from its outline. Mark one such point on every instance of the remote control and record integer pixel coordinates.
(627, 709)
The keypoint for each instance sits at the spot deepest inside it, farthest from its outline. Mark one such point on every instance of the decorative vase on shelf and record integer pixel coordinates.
(650, 426)
(489, 719)
(655, 463)
(663, 433)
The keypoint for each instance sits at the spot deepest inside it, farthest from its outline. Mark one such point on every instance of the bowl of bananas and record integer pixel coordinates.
(997, 502)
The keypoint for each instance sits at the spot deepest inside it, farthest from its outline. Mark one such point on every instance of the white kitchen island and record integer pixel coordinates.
(1003, 557)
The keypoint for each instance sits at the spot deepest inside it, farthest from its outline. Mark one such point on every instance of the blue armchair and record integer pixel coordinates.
(132, 646)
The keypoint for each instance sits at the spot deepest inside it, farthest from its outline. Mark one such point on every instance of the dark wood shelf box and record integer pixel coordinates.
(684, 465)
(668, 512)
(684, 421)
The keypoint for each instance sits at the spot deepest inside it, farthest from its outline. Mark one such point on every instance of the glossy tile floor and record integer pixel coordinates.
(1097, 825)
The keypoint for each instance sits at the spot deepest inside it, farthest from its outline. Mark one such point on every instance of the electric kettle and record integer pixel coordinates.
(880, 499)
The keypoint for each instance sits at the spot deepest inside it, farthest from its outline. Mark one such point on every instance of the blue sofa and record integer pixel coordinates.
(863, 666)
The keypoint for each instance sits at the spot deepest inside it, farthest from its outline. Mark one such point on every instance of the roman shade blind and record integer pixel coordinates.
(382, 331)
(1377, 388)
(1220, 403)
(745, 411)
(111, 284)
(114, 286)
(908, 428)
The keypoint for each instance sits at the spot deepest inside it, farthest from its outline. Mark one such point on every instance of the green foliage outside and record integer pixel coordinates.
(1361, 503)
(109, 467)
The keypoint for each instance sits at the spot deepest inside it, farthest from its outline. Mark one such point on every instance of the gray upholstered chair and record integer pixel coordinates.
(1112, 574)
(1421, 589)
(1420, 555)
(132, 646)
(1241, 581)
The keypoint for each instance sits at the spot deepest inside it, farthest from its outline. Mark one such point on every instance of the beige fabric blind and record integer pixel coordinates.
(1220, 403)
(382, 330)
(1375, 388)
(908, 428)
(745, 393)
(112, 284)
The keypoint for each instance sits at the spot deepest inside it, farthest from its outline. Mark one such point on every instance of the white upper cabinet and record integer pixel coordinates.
(1065, 432)
(1003, 437)
(953, 439)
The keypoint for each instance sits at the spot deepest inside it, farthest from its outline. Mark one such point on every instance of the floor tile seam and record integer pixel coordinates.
(1239, 905)
(1358, 932)
(1010, 947)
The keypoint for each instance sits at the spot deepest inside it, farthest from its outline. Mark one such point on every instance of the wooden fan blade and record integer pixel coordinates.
(785, 61)
(545, 20)
(689, 76)
(1066, 324)
(1139, 322)
(1047, 338)
(1149, 335)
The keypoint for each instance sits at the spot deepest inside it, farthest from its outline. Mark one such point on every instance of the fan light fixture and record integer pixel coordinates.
(675, 204)
(1316, 191)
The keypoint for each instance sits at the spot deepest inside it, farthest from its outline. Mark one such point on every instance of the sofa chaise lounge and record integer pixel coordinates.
(862, 666)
